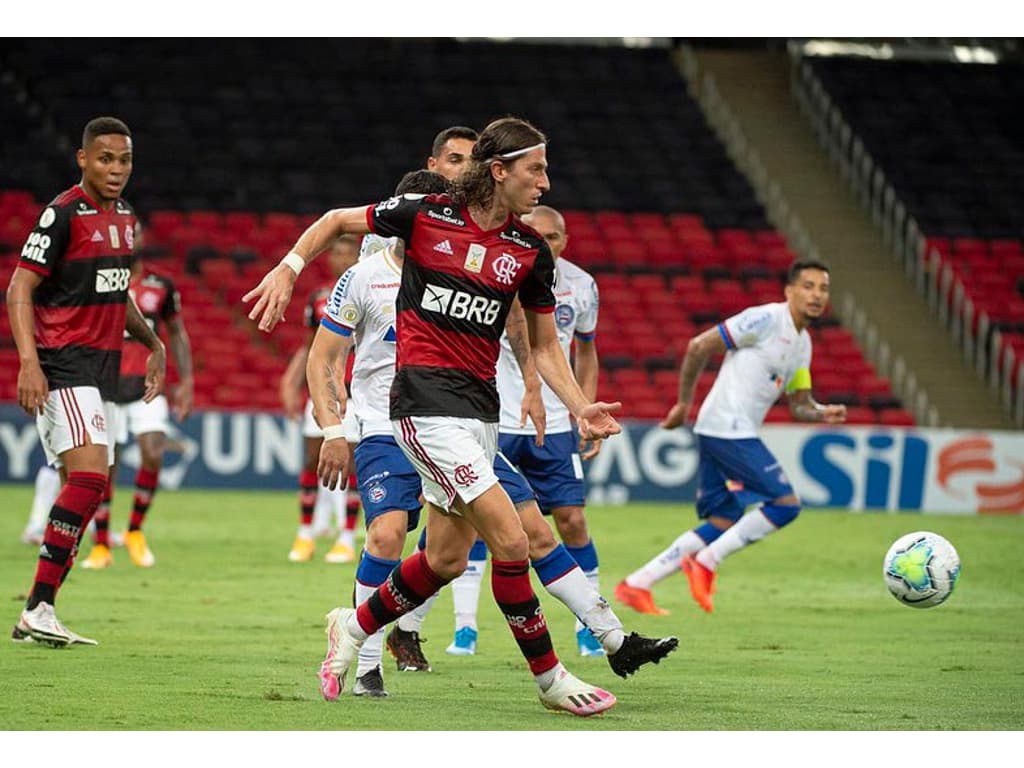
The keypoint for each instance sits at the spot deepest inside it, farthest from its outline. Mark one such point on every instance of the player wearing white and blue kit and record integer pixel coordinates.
(767, 352)
(548, 457)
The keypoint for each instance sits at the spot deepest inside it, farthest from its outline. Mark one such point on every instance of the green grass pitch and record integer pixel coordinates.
(225, 634)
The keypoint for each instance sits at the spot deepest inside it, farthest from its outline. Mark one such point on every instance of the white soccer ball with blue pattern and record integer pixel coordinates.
(921, 569)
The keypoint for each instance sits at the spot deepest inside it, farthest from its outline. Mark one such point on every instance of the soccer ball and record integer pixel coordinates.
(921, 569)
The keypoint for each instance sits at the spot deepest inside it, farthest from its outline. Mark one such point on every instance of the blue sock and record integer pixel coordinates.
(708, 532)
(423, 540)
(780, 515)
(373, 571)
(553, 565)
(585, 556)
(479, 551)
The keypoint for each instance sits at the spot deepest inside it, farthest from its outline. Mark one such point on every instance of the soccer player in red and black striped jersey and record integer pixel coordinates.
(160, 303)
(468, 256)
(69, 308)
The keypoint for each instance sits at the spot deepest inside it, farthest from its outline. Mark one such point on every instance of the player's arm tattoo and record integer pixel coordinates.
(332, 387)
(519, 340)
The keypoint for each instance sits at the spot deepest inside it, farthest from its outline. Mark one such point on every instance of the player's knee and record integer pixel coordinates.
(509, 544)
(572, 525)
(385, 538)
(782, 511)
(542, 540)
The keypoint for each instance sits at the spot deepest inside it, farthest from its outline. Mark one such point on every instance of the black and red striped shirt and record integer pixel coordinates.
(458, 283)
(83, 253)
(159, 302)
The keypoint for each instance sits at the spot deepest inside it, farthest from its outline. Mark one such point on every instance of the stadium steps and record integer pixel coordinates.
(756, 87)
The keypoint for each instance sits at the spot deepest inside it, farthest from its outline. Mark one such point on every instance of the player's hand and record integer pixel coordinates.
(590, 452)
(33, 390)
(596, 422)
(333, 465)
(676, 415)
(532, 406)
(156, 373)
(183, 400)
(833, 414)
(272, 295)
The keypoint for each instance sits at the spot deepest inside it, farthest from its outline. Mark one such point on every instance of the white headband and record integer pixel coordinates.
(517, 153)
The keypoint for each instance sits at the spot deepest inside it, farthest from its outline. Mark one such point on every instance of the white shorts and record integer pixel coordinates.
(350, 423)
(140, 418)
(74, 417)
(454, 457)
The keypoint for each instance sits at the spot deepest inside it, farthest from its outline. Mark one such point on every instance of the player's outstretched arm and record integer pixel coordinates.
(329, 401)
(698, 352)
(32, 386)
(803, 407)
(275, 289)
(156, 363)
(594, 420)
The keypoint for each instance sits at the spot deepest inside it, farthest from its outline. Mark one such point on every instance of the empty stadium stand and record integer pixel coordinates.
(654, 206)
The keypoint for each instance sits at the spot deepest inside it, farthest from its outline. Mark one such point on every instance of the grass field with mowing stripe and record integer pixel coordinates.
(223, 633)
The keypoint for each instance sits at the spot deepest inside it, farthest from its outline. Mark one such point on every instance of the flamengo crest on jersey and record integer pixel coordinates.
(765, 353)
(452, 306)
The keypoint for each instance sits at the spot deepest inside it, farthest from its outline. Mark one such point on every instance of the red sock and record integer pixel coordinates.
(69, 516)
(102, 516)
(406, 587)
(352, 503)
(145, 487)
(307, 496)
(510, 582)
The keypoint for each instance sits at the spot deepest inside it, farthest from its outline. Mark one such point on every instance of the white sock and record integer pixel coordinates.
(358, 633)
(305, 532)
(346, 536)
(372, 651)
(339, 500)
(594, 580)
(667, 562)
(578, 593)
(752, 527)
(466, 594)
(546, 679)
(47, 490)
(322, 510)
(413, 620)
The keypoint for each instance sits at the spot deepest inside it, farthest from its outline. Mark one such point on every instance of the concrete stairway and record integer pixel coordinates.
(755, 86)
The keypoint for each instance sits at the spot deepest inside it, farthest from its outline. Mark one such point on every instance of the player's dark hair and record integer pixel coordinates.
(499, 141)
(800, 265)
(454, 132)
(101, 126)
(423, 182)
